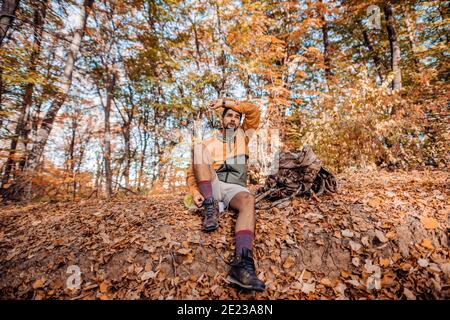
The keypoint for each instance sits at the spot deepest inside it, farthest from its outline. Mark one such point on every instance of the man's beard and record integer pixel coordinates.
(231, 126)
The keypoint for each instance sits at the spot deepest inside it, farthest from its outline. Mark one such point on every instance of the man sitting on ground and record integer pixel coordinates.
(219, 173)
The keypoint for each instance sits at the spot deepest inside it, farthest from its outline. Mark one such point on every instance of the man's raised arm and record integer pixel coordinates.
(252, 115)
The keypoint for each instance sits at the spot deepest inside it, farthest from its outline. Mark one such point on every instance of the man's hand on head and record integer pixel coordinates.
(215, 104)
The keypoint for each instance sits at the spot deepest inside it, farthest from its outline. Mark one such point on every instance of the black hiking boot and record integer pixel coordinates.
(210, 215)
(242, 272)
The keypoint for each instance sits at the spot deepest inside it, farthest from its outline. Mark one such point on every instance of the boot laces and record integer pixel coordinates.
(249, 265)
(209, 210)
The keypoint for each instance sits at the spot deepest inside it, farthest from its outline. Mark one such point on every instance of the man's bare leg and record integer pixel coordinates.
(203, 169)
(242, 270)
(244, 202)
(203, 172)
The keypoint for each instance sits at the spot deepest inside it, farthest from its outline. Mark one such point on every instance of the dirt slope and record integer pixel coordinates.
(382, 236)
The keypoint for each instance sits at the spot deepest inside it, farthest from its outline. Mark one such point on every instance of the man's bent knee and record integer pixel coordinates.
(249, 198)
(245, 200)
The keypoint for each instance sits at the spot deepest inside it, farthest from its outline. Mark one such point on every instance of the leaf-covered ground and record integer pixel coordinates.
(382, 236)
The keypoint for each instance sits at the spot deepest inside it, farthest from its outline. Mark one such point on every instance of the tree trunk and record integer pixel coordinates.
(82, 149)
(394, 46)
(7, 17)
(326, 48)
(411, 29)
(379, 66)
(142, 162)
(107, 137)
(50, 116)
(98, 173)
(127, 142)
(444, 13)
(73, 132)
(127, 117)
(144, 137)
(21, 132)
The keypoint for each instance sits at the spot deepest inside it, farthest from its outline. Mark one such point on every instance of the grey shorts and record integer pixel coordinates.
(224, 192)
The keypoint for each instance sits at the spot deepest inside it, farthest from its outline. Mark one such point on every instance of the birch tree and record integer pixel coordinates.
(66, 82)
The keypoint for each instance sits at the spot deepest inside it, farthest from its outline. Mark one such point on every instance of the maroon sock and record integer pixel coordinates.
(244, 239)
(206, 189)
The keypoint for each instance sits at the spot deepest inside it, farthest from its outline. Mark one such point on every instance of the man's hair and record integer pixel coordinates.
(225, 112)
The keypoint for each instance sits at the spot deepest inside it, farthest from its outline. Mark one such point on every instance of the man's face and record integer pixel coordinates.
(231, 119)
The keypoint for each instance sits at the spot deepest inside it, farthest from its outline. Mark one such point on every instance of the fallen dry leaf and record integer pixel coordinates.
(426, 243)
(422, 262)
(184, 251)
(429, 223)
(384, 262)
(326, 282)
(374, 202)
(380, 235)
(103, 287)
(408, 294)
(148, 275)
(307, 288)
(39, 283)
(289, 262)
(347, 233)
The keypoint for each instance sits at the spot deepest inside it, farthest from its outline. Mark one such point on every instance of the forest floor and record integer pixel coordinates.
(383, 235)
